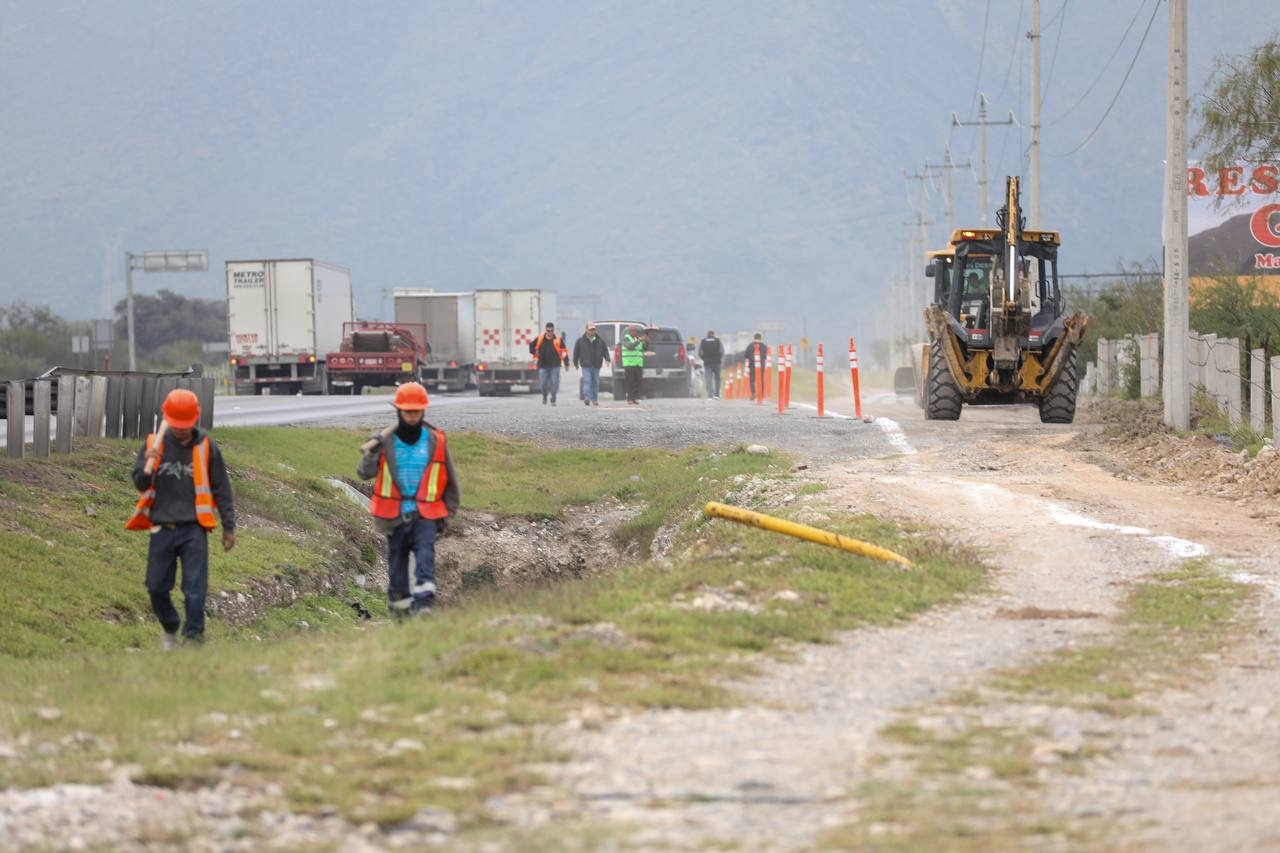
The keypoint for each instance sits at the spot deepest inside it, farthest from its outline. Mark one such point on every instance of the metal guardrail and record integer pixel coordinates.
(65, 403)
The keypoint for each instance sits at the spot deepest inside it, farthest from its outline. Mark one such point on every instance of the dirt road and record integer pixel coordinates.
(1068, 538)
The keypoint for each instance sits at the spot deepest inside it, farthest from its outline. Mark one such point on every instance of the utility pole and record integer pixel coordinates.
(946, 167)
(919, 300)
(1033, 151)
(1177, 404)
(981, 124)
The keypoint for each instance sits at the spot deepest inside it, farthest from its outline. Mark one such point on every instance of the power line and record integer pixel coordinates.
(1102, 72)
(1048, 80)
(1013, 54)
(982, 52)
(1127, 72)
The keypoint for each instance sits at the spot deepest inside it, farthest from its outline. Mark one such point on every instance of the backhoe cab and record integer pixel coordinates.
(997, 329)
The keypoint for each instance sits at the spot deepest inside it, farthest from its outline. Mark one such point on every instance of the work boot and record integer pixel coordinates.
(544, 399)
(169, 642)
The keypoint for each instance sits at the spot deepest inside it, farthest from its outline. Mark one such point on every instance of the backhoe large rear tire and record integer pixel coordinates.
(942, 398)
(1059, 405)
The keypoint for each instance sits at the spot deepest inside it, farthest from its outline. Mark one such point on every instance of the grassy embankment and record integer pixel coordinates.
(372, 719)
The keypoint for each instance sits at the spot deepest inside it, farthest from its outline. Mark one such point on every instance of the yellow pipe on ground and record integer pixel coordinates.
(805, 532)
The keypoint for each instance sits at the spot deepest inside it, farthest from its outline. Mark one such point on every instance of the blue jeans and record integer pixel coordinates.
(190, 543)
(711, 378)
(591, 384)
(549, 378)
(416, 536)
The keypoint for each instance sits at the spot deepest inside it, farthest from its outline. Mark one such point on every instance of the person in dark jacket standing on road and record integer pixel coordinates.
(414, 493)
(183, 482)
(754, 356)
(589, 353)
(551, 357)
(711, 351)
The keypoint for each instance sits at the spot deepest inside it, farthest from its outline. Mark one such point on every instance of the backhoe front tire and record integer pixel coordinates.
(942, 398)
(1059, 405)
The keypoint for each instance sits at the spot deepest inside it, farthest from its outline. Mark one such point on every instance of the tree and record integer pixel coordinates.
(32, 340)
(1234, 307)
(171, 328)
(1130, 305)
(1240, 116)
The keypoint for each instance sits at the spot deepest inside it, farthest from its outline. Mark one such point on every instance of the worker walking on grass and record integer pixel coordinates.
(183, 482)
(551, 355)
(415, 490)
(589, 353)
(633, 344)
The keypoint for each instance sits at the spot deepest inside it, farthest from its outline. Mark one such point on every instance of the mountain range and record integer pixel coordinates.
(706, 163)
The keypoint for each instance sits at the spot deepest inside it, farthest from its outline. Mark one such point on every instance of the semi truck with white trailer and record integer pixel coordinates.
(283, 317)
(450, 319)
(507, 321)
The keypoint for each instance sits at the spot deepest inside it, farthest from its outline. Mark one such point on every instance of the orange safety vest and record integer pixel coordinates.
(141, 519)
(385, 502)
(563, 352)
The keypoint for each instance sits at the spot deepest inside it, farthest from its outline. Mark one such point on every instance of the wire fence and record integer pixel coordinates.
(1242, 383)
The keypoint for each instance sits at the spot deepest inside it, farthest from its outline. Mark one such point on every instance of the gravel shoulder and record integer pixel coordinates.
(1066, 537)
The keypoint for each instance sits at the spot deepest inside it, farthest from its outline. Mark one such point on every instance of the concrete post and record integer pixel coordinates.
(66, 414)
(1257, 391)
(1106, 367)
(41, 410)
(1126, 350)
(115, 406)
(1149, 364)
(1275, 400)
(97, 405)
(1177, 404)
(1197, 358)
(1209, 365)
(1232, 379)
(1090, 388)
(82, 406)
(15, 418)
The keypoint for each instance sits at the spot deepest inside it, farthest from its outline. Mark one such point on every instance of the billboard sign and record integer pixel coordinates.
(1233, 222)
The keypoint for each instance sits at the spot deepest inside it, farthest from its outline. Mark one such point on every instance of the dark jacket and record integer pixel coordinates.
(751, 357)
(175, 486)
(548, 351)
(590, 352)
(711, 351)
(384, 442)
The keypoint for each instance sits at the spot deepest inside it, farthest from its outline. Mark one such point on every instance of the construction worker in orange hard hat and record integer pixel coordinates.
(185, 490)
(415, 490)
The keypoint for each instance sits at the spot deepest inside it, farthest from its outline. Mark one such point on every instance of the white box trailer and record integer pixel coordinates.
(283, 316)
(507, 321)
(450, 319)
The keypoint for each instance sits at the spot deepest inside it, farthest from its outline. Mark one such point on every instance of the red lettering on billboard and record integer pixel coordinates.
(1263, 179)
(1263, 225)
(1229, 180)
(1195, 181)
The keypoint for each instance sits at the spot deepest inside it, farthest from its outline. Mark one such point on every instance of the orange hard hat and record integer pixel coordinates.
(412, 396)
(181, 408)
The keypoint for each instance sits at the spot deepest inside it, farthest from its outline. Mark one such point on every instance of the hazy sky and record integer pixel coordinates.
(708, 163)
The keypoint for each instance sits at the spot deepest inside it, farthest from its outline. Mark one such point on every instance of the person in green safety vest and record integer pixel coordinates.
(633, 344)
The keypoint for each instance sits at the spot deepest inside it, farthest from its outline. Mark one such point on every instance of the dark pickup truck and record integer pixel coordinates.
(667, 368)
